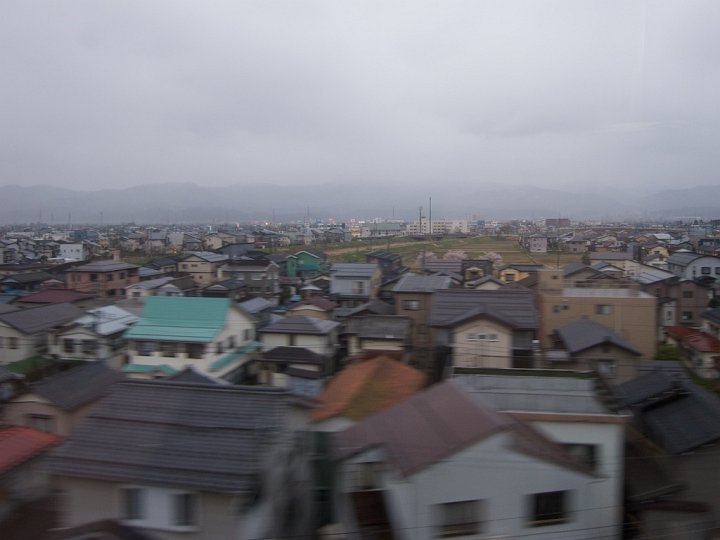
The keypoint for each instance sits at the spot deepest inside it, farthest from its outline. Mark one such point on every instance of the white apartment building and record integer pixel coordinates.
(439, 226)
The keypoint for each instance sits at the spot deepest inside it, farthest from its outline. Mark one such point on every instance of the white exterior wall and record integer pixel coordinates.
(320, 344)
(72, 252)
(503, 480)
(25, 345)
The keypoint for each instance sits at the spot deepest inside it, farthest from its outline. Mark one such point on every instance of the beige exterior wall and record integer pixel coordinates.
(18, 412)
(85, 501)
(494, 351)
(355, 345)
(104, 282)
(310, 311)
(15, 345)
(202, 272)
(632, 314)
(625, 363)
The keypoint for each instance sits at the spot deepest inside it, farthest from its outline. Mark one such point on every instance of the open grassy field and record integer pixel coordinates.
(508, 249)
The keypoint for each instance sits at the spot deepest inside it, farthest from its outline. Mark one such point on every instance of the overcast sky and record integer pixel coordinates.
(570, 93)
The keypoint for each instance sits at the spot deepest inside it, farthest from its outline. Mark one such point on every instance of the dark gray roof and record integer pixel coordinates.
(712, 315)
(78, 386)
(104, 266)
(573, 267)
(349, 270)
(190, 375)
(7, 375)
(379, 327)
(514, 307)
(43, 318)
(299, 355)
(8, 308)
(255, 305)
(442, 265)
(376, 306)
(583, 334)
(28, 277)
(675, 413)
(299, 324)
(413, 283)
(683, 258)
(197, 436)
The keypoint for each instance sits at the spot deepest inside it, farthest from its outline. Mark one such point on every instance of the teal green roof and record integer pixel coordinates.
(147, 368)
(231, 357)
(176, 318)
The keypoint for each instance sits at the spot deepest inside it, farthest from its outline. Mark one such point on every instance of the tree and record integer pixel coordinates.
(669, 352)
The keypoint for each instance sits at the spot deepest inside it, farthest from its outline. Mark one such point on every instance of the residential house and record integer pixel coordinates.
(211, 334)
(377, 333)
(536, 243)
(216, 240)
(232, 288)
(188, 461)
(236, 249)
(106, 279)
(485, 328)
(97, 336)
(56, 296)
(515, 272)
(26, 281)
(391, 264)
(475, 269)
(630, 313)
(162, 286)
(413, 299)
(682, 422)
(164, 265)
(702, 350)
(573, 409)
(314, 306)
(307, 263)
(711, 322)
(353, 284)
(202, 266)
(22, 478)
(691, 298)
(260, 276)
(191, 242)
(260, 309)
(57, 403)
(691, 265)
(316, 335)
(585, 345)
(464, 470)
(577, 243)
(289, 366)
(24, 332)
(157, 241)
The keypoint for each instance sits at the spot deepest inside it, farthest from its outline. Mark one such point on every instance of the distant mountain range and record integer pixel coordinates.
(191, 203)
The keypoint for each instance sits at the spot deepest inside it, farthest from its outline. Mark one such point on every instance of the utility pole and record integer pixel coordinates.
(430, 218)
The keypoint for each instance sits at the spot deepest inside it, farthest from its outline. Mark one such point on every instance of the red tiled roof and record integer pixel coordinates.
(20, 443)
(700, 341)
(56, 296)
(367, 387)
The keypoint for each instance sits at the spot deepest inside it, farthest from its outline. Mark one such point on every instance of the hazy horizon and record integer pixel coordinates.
(558, 94)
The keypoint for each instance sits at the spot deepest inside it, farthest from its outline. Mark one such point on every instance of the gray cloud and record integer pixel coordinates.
(556, 93)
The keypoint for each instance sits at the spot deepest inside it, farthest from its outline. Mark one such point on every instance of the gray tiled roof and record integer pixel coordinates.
(683, 258)
(583, 334)
(443, 265)
(255, 305)
(299, 324)
(535, 393)
(104, 266)
(78, 386)
(379, 327)
(712, 315)
(293, 354)
(43, 318)
(514, 307)
(413, 283)
(196, 436)
(347, 270)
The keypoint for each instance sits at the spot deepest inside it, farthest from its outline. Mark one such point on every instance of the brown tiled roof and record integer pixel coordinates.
(20, 443)
(700, 341)
(366, 387)
(56, 296)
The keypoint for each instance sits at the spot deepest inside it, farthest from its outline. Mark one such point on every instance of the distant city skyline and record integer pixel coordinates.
(577, 96)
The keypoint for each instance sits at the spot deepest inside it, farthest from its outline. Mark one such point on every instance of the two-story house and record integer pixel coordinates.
(691, 265)
(211, 334)
(260, 276)
(202, 266)
(353, 284)
(107, 279)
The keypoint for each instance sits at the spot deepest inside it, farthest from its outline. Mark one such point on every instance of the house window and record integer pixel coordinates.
(146, 348)
(168, 350)
(687, 316)
(1, 341)
(717, 270)
(231, 342)
(256, 276)
(584, 453)
(603, 309)
(12, 343)
(705, 270)
(687, 294)
(509, 277)
(549, 508)
(219, 349)
(133, 504)
(89, 346)
(668, 315)
(358, 287)
(68, 346)
(195, 350)
(108, 277)
(93, 277)
(460, 518)
(184, 509)
(43, 422)
(247, 335)
(411, 305)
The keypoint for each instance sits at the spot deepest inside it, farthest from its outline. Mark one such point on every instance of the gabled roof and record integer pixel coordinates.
(256, 305)
(299, 324)
(584, 334)
(197, 436)
(175, 318)
(190, 375)
(696, 339)
(350, 270)
(150, 283)
(56, 296)
(513, 307)
(107, 320)
(21, 443)
(207, 256)
(379, 327)
(299, 355)
(41, 319)
(683, 258)
(439, 422)
(413, 283)
(103, 266)
(442, 265)
(377, 307)
(27, 277)
(366, 387)
(78, 386)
